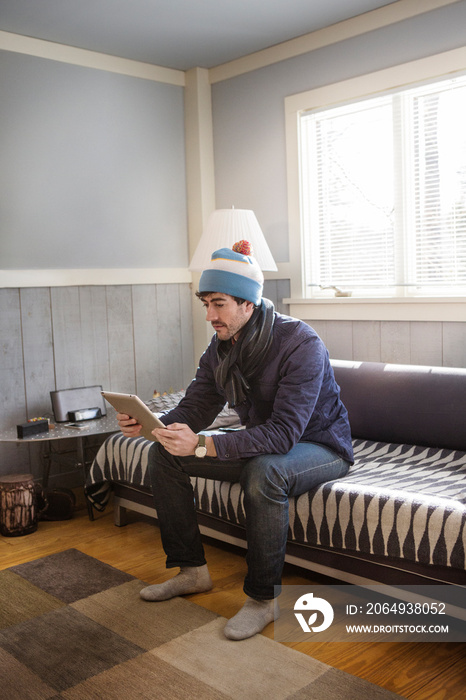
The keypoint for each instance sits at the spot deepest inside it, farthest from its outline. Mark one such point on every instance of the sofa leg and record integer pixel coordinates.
(119, 515)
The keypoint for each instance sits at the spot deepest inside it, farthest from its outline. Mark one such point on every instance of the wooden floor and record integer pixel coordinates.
(417, 671)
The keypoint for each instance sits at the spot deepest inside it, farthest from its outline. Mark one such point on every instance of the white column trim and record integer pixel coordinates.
(200, 182)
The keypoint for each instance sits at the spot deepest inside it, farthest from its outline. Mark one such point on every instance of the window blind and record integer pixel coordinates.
(383, 191)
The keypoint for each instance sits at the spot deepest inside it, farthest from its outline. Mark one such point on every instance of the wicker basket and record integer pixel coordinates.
(18, 510)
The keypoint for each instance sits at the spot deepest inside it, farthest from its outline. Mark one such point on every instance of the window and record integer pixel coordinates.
(383, 193)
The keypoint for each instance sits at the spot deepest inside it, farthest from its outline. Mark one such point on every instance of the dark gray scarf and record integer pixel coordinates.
(239, 362)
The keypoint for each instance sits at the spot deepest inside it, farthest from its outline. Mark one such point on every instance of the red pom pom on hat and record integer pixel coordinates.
(242, 247)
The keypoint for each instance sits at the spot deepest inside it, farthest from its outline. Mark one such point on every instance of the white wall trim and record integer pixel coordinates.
(349, 309)
(94, 277)
(89, 59)
(367, 22)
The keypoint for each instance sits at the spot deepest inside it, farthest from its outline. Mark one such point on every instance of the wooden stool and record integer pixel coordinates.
(18, 511)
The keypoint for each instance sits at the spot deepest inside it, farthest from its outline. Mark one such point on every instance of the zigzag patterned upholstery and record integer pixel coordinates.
(401, 501)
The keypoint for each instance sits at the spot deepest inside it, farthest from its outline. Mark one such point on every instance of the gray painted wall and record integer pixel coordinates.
(92, 171)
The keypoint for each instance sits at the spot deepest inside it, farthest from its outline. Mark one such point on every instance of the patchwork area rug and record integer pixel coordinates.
(74, 627)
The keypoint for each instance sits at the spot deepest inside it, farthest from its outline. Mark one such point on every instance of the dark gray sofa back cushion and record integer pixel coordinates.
(404, 403)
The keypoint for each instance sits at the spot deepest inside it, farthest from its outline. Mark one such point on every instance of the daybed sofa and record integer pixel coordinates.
(397, 517)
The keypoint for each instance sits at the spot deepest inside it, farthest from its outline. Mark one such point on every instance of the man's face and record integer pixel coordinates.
(226, 315)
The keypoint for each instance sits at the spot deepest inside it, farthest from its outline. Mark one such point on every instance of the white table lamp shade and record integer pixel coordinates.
(226, 227)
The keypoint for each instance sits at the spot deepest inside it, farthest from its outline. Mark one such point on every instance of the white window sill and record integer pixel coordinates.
(379, 309)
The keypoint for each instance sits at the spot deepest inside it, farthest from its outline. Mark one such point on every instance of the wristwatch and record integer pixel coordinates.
(201, 449)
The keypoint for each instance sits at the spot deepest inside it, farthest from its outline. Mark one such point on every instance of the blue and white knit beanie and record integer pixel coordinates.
(235, 273)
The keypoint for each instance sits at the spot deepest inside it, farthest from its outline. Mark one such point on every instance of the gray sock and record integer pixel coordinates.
(252, 618)
(190, 579)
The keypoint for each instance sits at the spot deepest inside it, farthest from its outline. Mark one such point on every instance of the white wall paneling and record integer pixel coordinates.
(395, 342)
(37, 349)
(67, 340)
(426, 343)
(400, 342)
(11, 357)
(120, 339)
(126, 338)
(94, 335)
(189, 359)
(146, 339)
(454, 344)
(367, 341)
(276, 291)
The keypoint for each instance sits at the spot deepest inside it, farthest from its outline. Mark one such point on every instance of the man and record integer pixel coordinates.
(275, 371)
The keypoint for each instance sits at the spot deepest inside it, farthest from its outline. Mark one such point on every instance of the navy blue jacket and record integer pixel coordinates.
(294, 398)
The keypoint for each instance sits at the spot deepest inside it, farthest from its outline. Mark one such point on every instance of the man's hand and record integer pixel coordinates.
(128, 426)
(181, 441)
(177, 438)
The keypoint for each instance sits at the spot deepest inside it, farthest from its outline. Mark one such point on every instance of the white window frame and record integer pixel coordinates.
(359, 308)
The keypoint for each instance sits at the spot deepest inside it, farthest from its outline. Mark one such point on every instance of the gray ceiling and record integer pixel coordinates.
(176, 33)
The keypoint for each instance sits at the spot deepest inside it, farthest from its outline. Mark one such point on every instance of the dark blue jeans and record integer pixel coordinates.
(267, 481)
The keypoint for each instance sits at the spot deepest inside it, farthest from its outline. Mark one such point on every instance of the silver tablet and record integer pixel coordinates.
(134, 407)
